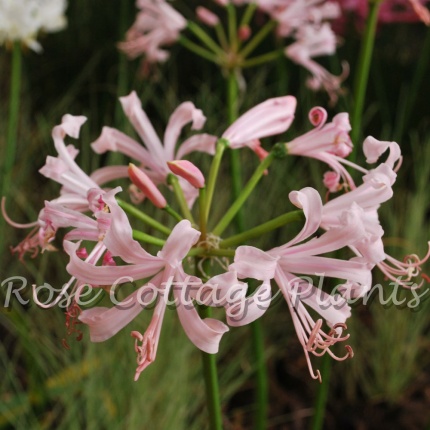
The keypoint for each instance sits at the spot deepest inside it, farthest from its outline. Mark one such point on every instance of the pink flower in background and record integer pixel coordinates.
(157, 25)
(296, 257)
(299, 13)
(391, 11)
(314, 41)
(155, 154)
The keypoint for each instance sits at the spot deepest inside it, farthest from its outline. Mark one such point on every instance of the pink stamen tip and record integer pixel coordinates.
(82, 253)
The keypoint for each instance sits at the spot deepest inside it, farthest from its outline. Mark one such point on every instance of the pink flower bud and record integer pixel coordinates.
(108, 259)
(244, 33)
(187, 170)
(331, 181)
(82, 253)
(144, 183)
(207, 17)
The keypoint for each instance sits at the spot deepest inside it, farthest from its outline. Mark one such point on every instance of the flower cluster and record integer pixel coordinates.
(158, 24)
(105, 252)
(23, 20)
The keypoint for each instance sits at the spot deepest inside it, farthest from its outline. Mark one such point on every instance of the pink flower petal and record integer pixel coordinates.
(186, 112)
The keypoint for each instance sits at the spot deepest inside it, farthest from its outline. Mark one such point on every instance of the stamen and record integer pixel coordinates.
(72, 321)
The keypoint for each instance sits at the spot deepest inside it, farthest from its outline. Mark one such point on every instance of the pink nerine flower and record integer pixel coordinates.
(328, 142)
(157, 24)
(299, 13)
(154, 155)
(167, 275)
(73, 194)
(294, 257)
(313, 41)
(365, 200)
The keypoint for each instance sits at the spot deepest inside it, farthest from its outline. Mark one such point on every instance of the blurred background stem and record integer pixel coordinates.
(322, 394)
(362, 74)
(12, 129)
(210, 372)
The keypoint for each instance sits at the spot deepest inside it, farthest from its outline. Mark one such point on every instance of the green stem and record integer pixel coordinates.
(222, 37)
(202, 216)
(213, 174)
(262, 229)
(249, 13)
(132, 210)
(246, 191)
(205, 252)
(362, 74)
(258, 38)
(235, 162)
(196, 49)
(12, 131)
(204, 37)
(143, 237)
(322, 395)
(173, 213)
(232, 26)
(261, 380)
(211, 384)
(263, 59)
(210, 373)
(179, 193)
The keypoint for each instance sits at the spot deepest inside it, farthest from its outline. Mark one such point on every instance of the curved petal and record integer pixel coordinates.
(178, 244)
(374, 148)
(109, 173)
(182, 115)
(59, 216)
(205, 333)
(70, 126)
(350, 270)
(349, 230)
(251, 308)
(141, 123)
(250, 262)
(198, 142)
(119, 238)
(269, 118)
(309, 200)
(114, 140)
(108, 275)
(222, 290)
(333, 308)
(106, 322)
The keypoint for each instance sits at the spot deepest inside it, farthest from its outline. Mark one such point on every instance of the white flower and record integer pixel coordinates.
(22, 20)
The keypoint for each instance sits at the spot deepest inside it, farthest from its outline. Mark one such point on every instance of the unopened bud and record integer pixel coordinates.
(145, 184)
(187, 170)
(206, 16)
(244, 33)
